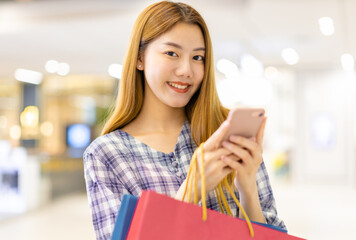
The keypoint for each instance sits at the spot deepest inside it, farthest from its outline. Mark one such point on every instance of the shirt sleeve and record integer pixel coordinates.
(104, 192)
(267, 201)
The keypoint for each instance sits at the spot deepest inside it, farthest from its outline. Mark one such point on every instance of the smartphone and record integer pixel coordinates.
(245, 122)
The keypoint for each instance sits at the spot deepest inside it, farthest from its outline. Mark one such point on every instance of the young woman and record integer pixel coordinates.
(167, 106)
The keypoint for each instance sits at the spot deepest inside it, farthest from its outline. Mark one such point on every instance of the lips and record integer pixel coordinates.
(179, 87)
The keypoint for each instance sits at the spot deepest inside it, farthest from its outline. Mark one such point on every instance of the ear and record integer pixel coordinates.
(139, 64)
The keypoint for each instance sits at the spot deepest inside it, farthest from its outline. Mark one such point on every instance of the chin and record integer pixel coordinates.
(178, 104)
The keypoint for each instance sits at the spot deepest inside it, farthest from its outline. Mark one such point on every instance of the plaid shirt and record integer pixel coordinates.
(117, 164)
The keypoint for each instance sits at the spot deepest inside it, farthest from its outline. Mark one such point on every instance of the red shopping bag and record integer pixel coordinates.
(161, 217)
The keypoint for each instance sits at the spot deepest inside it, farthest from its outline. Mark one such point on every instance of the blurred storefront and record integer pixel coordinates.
(44, 130)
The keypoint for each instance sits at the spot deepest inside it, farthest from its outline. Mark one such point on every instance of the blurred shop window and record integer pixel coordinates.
(10, 180)
(12, 175)
(74, 107)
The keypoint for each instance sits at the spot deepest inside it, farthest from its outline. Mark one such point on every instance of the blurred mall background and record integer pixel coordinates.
(60, 63)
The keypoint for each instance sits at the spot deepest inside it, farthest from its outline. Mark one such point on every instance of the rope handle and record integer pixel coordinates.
(218, 189)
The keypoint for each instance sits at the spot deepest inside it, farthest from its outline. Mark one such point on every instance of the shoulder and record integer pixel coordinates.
(108, 146)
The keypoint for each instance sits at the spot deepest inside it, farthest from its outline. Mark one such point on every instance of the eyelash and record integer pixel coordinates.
(170, 53)
(173, 54)
(201, 58)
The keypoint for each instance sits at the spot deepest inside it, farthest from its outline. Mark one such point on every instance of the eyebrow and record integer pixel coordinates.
(180, 47)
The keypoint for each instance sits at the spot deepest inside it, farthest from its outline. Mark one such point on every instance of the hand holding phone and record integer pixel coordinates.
(246, 156)
(244, 122)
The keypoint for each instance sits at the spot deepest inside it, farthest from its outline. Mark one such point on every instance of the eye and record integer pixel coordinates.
(198, 58)
(172, 54)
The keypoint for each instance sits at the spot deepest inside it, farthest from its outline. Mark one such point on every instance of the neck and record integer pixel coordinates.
(157, 116)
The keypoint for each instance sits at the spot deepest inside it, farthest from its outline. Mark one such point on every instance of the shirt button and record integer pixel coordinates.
(179, 173)
(175, 164)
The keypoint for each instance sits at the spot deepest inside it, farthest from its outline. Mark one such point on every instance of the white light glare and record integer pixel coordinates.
(52, 66)
(228, 68)
(63, 69)
(326, 25)
(290, 56)
(115, 70)
(271, 72)
(28, 76)
(15, 132)
(347, 62)
(251, 65)
(30, 117)
(47, 128)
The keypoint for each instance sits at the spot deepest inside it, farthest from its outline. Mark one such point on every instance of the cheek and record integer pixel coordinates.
(152, 74)
(156, 70)
(200, 74)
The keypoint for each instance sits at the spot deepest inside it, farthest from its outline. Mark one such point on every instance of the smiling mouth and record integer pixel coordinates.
(178, 85)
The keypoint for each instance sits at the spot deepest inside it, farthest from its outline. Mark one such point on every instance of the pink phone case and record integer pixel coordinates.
(245, 122)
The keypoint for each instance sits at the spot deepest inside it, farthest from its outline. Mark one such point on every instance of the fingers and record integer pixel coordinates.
(232, 162)
(252, 146)
(219, 153)
(210, 156)
(214, 140)
(238, 150)
(214, 169)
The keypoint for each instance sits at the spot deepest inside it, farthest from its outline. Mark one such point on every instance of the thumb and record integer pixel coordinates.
(215, 139)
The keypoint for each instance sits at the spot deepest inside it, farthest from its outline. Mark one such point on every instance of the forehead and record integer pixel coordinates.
(185, 34)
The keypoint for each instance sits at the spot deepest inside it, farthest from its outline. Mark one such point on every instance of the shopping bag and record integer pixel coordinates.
(123, 219)
(126, 212)
(161, 217)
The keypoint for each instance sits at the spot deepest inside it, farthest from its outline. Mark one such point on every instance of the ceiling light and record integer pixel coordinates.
(290, 56)
(52, 66)
(347, 62)
(28, 76)
(326, 25)
(63, 69)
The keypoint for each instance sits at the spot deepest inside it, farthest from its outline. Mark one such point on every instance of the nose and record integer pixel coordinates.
(185, 68)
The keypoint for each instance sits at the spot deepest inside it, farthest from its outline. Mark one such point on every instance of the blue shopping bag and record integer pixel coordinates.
(124, 217)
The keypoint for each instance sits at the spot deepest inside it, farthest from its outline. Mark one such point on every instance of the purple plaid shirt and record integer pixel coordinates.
(117, 164)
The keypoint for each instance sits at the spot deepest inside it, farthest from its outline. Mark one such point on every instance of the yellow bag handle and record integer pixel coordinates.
(218, 190)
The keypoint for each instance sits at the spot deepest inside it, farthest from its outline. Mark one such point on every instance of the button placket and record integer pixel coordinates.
(175, 165)
(171, 166)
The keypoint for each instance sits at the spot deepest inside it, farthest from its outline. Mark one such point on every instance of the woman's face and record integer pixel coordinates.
(173, 65)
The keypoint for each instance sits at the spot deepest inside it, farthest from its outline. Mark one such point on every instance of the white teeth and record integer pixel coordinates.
(178, 86)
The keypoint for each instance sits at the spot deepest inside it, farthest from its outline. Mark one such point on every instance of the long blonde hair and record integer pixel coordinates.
(204, 111)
